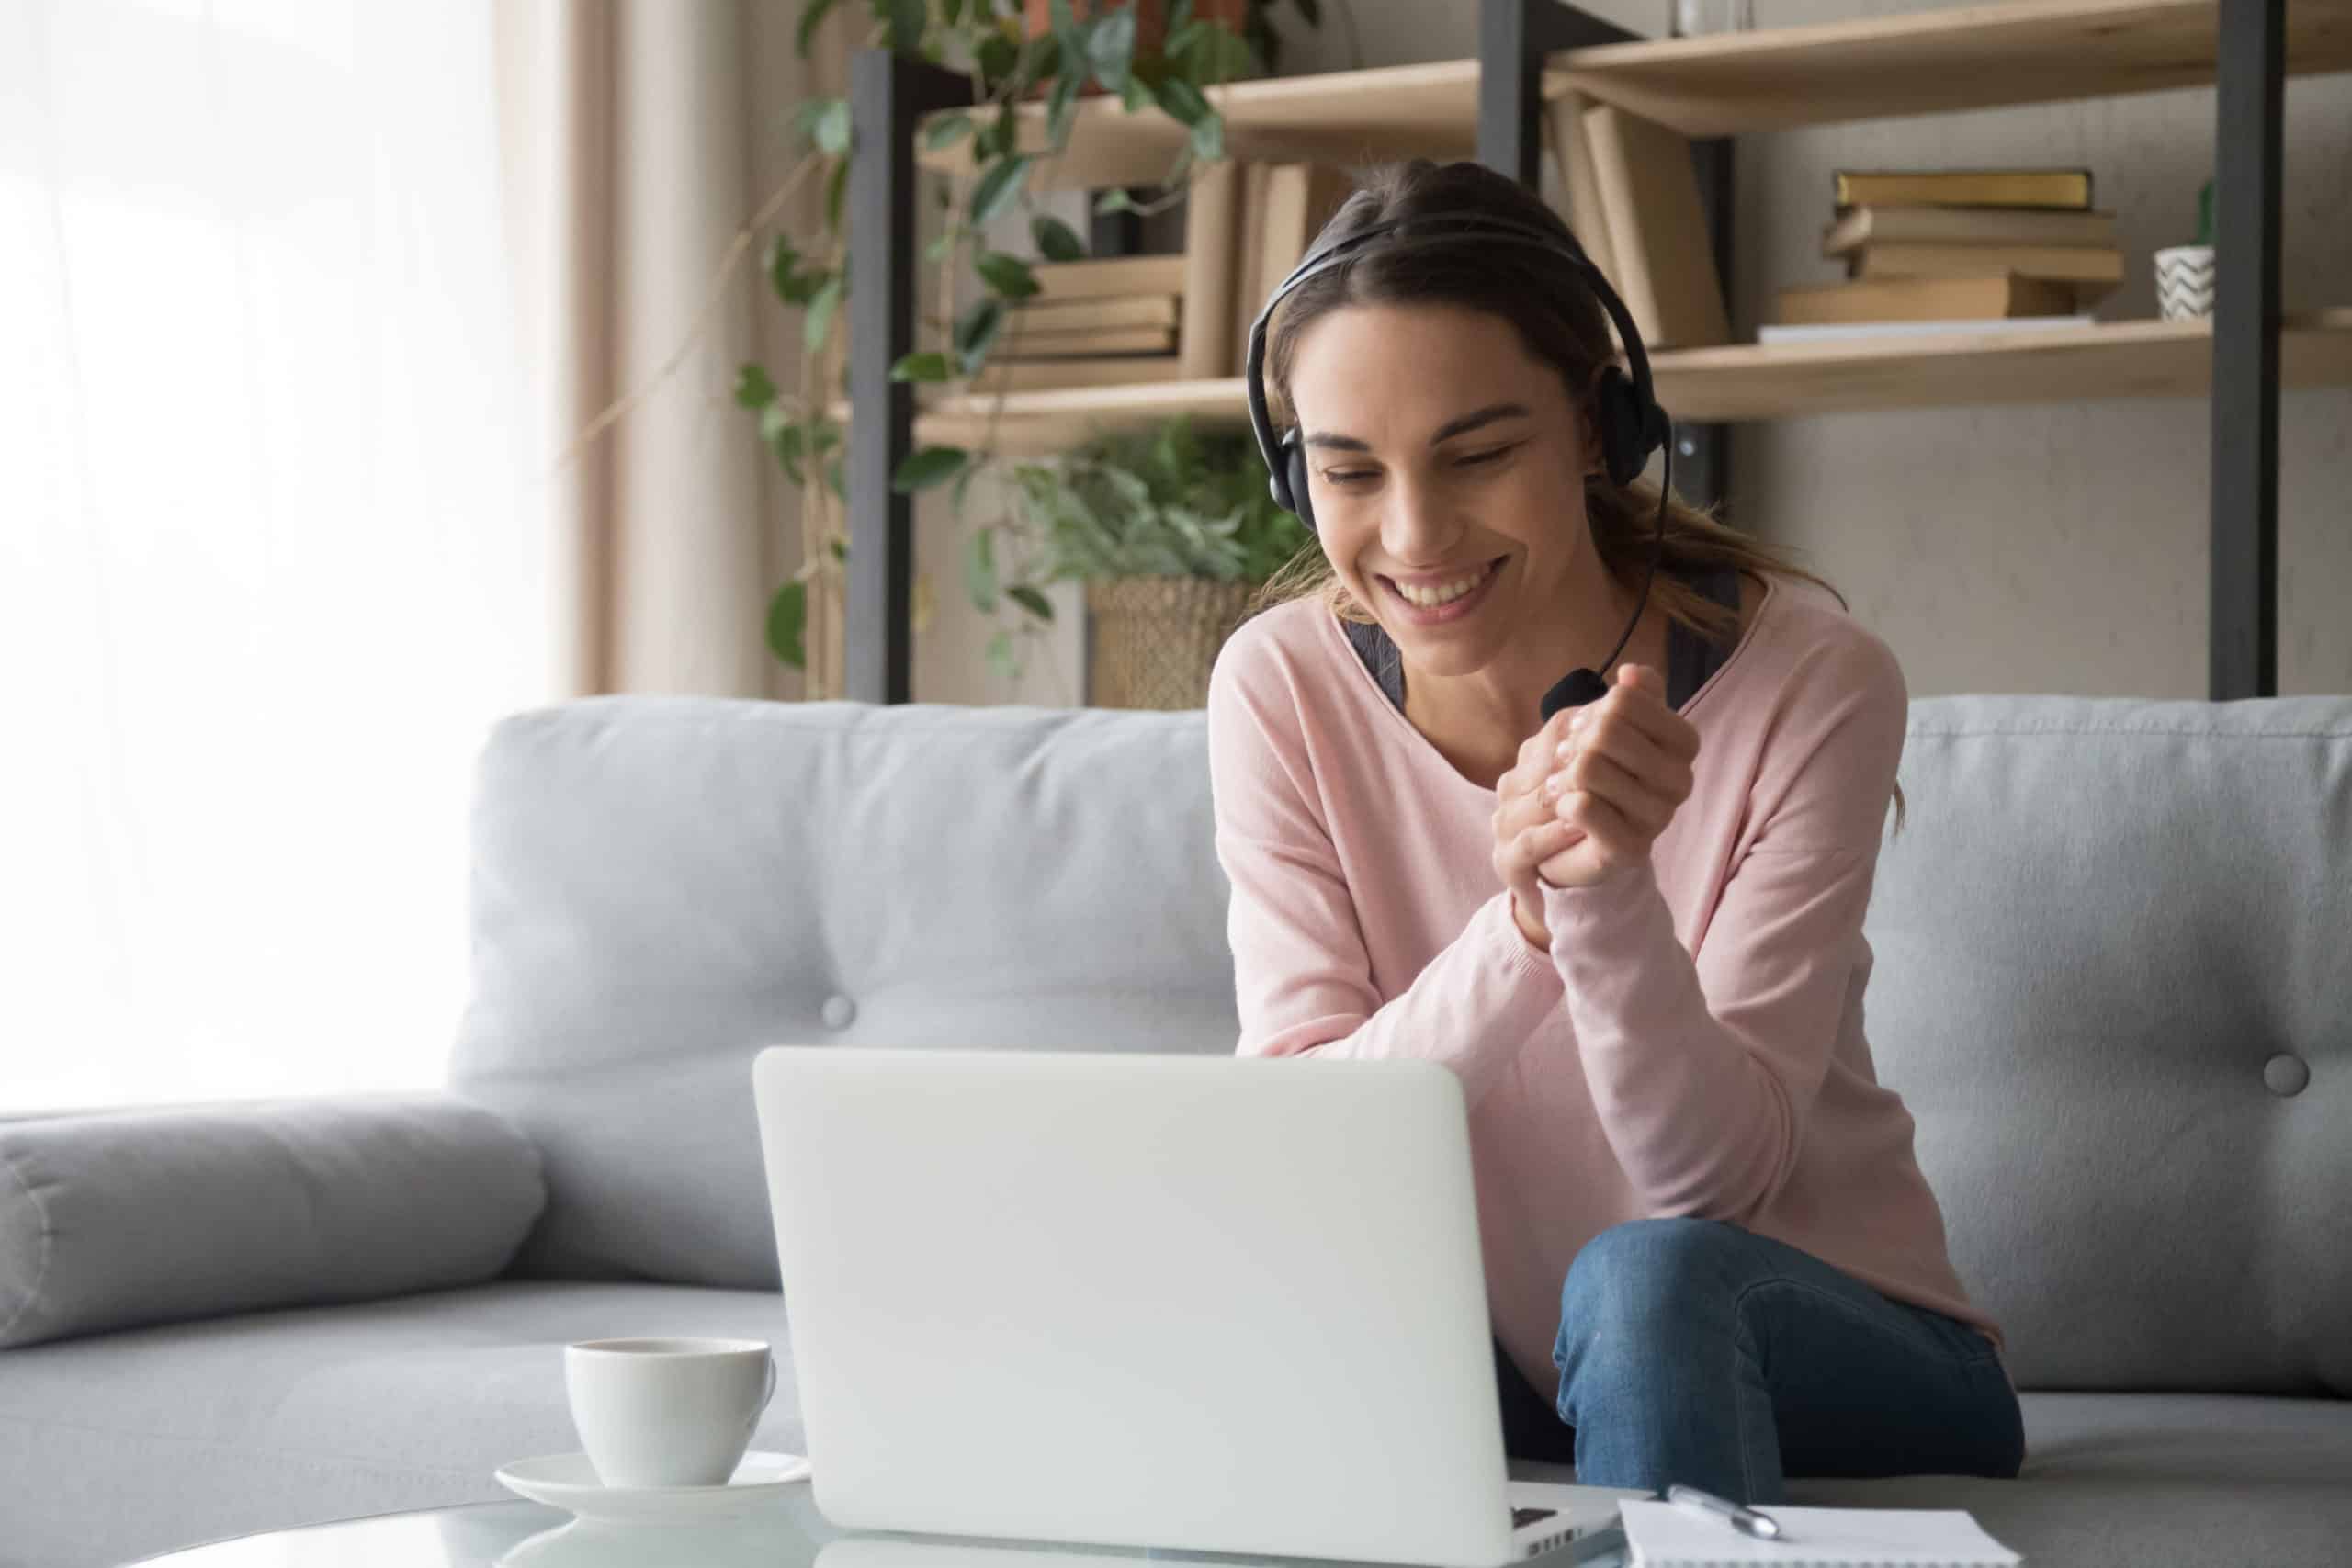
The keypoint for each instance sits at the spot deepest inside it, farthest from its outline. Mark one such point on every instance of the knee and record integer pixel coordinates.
(1637, 1281)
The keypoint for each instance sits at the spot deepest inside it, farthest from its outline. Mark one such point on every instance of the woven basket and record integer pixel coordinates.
(1155, 639)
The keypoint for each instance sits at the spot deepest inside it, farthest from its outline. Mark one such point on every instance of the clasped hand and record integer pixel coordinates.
(1590, 793)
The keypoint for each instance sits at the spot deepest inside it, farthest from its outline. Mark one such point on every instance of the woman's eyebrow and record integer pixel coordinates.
(1446, 431)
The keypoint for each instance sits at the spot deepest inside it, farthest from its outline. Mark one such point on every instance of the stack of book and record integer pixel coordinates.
(1091, 323)
(1973, 247)
(1120, 320)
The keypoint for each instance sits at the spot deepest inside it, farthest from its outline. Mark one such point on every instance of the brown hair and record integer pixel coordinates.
(1551, 304)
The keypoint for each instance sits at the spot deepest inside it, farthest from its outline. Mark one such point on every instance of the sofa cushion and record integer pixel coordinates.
(126, 1444)
(2111, 984)
(138, 1217)
(663, 885)
(2128, 1480)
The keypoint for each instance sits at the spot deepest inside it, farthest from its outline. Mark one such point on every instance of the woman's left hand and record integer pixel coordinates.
(1623, 771)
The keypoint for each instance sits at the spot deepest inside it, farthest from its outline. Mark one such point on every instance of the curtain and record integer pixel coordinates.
(641, 140)
(273, 552)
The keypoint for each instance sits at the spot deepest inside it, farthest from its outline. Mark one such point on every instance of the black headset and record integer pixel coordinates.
(1627, 420)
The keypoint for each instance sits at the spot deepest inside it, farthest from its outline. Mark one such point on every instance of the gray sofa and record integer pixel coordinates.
(2113, 981)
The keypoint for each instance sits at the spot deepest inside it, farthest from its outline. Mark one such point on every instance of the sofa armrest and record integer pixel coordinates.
(121, 1219)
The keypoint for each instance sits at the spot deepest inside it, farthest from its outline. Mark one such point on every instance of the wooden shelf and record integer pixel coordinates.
(1750, 381)
(1344, 117)
(1966, 57)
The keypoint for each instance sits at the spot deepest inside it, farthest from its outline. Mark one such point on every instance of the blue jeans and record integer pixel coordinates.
(1695, 1351)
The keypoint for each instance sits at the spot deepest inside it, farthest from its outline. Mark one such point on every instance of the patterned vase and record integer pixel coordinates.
(2185, 282)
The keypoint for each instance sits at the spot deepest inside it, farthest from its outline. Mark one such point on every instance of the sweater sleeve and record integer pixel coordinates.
(1302, 975)
(1705, 1072)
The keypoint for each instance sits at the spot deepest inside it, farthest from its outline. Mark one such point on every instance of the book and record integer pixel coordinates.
(1660, 1535)
(1965, 226)
(1249, 288)
(2072, 264)
(1042, 375)
(1299, 200)
(1812, 331)
(1927, 299)
(1091, 315)
(1579, 185)
(1212, 263)
(1021, 343)
(1105, 276)
(1962, 187)
(1657, 231)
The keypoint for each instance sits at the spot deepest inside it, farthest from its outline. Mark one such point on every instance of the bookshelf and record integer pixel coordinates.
(1965, 57)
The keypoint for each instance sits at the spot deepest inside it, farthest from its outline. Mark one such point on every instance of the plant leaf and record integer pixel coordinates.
(1008, 275)
(786, 438)
(1116, 199)
(997, 188)
(930, 366)
(979, 570)
(820, 319)
(784, 272)
(787, 618)
(831, 127)
(753, 389)
(976, 330)
(1056, 241)
(1001, 656)
(947, 131)
(1208, 141)
(1029, 599)
(997, 57)
(836, 187)
(907, 18)
(1061, 106)
(1183, 100)
(1002, 134)
(837, 480)
(1111, 47)
(812, 17)
(937, 248)
(927, 466)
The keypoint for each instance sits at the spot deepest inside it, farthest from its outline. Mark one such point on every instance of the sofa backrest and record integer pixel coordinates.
(2112, 980)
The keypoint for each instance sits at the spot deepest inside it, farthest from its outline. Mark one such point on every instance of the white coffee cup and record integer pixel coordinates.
(667, 1412)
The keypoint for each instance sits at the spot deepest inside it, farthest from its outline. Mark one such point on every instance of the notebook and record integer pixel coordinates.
(1659, 1535)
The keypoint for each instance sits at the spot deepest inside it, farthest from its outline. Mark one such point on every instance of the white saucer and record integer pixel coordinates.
(569, 1482)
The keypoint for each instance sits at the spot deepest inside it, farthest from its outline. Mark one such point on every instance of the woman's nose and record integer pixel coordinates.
(1417, 527)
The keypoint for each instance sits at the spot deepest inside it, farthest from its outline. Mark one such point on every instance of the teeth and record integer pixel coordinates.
(1443, 593)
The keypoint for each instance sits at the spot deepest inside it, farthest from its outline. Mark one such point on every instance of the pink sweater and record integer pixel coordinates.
(1693, 1043)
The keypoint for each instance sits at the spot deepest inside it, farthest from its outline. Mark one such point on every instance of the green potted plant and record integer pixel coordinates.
(1170, 529)
(1157, 56)
(2185, 273)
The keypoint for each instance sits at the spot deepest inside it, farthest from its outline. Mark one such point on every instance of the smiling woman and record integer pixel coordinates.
(1633, 929)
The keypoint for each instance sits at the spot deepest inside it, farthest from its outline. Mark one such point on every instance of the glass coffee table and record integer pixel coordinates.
(785, 1532)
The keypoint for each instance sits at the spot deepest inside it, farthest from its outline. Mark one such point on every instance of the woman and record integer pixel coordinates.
(1634, 931)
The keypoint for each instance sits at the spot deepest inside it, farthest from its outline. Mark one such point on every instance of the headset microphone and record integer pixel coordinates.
(1627, 419)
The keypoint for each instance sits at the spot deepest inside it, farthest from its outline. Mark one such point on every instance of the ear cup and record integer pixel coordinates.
(1295, 477)
(1620, 425)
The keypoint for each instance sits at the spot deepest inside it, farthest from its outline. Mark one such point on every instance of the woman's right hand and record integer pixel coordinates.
(1528, 831)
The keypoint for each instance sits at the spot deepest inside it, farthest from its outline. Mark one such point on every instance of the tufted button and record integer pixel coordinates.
(2285, 1075)
(840, 1012)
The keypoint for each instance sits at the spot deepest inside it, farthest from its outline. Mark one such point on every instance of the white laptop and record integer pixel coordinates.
(1194, 1303)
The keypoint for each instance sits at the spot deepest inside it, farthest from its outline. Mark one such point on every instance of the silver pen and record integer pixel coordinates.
(1748, 1521)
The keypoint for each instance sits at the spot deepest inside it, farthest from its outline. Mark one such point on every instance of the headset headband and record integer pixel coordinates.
(1447, 227)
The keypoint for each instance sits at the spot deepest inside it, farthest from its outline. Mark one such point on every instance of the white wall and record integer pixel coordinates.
(2050, 547)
